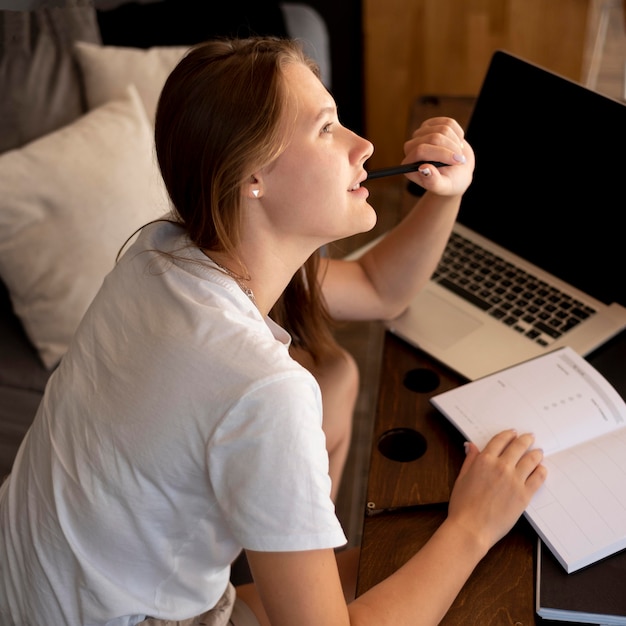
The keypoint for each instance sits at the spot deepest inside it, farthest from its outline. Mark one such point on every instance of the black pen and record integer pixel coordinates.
(402, 169)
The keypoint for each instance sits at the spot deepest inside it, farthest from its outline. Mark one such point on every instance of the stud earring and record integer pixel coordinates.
(255, 193)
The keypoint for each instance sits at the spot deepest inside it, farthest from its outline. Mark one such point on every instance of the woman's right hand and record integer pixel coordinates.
(495, 486)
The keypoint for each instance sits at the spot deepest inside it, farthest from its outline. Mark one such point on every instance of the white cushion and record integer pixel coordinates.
(68, 202)
(108, 70)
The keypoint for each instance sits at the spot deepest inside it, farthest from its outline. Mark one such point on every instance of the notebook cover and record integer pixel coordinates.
(593, 595)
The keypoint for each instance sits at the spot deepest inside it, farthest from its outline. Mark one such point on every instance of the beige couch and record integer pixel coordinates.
(77, 174)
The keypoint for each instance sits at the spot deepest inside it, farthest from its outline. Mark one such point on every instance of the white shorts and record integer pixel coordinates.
(229, 611)
(242, 615)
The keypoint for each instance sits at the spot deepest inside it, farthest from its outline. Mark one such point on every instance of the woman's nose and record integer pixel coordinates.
(365, 148)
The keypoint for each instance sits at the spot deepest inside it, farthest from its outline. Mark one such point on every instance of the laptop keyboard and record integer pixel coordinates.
(518, 299)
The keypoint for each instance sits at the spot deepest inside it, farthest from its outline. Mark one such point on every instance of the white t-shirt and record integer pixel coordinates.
(175, 431)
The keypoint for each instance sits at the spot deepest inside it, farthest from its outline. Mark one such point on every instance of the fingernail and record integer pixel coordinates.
(460, 158)
(425, 172)
(466, 445)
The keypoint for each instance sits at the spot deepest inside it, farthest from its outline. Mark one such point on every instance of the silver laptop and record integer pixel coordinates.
(537, 259)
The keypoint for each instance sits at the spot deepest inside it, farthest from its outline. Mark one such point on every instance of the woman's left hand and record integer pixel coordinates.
(440, 139)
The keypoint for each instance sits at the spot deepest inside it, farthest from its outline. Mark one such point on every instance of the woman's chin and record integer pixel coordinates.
(370, 218)
(363, 223)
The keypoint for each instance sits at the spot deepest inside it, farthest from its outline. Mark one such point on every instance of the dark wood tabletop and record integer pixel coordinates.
(500, 590)
(416, 456)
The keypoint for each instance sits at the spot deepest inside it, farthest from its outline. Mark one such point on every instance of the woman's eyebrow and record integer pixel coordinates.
(325, 111)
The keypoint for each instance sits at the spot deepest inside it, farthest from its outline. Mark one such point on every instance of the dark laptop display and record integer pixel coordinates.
(550, 177)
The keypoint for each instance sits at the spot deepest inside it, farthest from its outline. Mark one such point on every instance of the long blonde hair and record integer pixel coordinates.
(218, 120)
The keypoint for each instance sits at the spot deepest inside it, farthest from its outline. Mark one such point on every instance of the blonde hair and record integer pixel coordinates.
(221, 117)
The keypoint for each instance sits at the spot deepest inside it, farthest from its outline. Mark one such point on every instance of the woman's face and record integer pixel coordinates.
(312, 191)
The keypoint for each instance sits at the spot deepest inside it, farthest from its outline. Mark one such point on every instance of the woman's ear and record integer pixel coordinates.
(254, 188)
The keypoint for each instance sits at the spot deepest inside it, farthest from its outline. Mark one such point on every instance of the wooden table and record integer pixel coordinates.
(416, 456)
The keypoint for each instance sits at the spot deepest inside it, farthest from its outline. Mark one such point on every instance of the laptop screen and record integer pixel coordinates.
(550, 177)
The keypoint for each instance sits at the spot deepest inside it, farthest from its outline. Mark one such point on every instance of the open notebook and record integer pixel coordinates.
(537, 258)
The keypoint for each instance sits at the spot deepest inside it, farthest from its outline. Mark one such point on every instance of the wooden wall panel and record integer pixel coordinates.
(443, 47)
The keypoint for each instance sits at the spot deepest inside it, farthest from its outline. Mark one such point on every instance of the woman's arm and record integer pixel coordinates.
(382, 282)
(491, 492)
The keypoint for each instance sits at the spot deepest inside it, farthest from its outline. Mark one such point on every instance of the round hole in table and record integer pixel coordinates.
(402, 444)
(421, 380)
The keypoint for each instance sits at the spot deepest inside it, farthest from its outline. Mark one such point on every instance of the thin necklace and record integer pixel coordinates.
(234, 276)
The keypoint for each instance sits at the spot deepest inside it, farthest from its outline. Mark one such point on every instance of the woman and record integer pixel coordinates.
(178, 430)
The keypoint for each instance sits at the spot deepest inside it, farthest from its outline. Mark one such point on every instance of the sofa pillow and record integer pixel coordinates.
(68, 202)
(108, 70)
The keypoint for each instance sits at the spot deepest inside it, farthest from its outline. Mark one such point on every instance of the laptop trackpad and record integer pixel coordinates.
(439, 321)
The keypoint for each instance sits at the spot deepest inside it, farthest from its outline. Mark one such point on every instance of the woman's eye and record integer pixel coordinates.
(327, 128)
